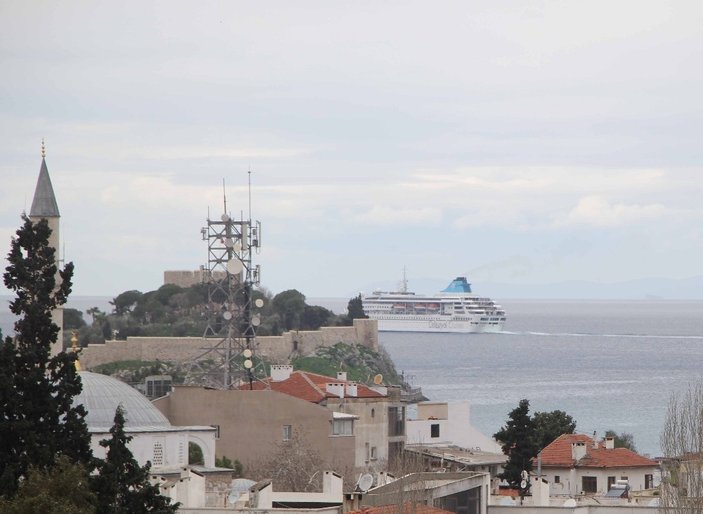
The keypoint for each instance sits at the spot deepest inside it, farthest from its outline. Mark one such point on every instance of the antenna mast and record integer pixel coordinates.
(228, 356)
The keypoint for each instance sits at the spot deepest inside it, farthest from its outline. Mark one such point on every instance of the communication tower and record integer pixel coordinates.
(229, 354)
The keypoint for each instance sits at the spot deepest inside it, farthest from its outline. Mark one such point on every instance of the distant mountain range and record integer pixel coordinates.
(640, 289)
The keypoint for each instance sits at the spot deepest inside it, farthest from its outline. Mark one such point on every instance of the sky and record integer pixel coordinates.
(516, 142)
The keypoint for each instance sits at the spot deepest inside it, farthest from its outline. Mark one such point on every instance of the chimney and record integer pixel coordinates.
(342, 376)
(595, 440)
(280, 372)
(609, 443)
(352, 390)
(578, 450)
(336, 388)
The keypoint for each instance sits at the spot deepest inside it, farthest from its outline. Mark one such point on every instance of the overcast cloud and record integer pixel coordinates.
(519, 142)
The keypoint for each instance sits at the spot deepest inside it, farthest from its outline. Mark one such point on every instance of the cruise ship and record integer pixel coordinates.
(454, 309)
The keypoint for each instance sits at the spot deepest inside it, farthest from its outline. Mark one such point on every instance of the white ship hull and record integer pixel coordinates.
(438, 325)
(454, 309)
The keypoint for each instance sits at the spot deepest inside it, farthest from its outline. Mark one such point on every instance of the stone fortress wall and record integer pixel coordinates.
(276, 349)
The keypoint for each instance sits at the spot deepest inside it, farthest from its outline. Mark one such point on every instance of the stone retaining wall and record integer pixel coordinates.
(276, 349)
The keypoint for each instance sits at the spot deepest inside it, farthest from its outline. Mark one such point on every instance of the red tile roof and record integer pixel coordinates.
(311, 387)
(558, 454)
(408, 508)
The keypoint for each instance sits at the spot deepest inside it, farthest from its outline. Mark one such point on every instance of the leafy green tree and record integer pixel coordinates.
(38, 421)
(315, 317)
(166, 292)
(123, 486)
(226, 462)
(62, 489)
(550, 425)
(72, 319)
(517, 439)
(123, 303)
(289, 305)
(96, 315)
(622, 440)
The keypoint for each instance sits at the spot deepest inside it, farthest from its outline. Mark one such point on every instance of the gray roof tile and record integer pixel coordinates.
(44, 203)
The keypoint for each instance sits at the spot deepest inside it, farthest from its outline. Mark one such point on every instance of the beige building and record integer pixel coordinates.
(251, 424)
(353, 427)
(379, 415)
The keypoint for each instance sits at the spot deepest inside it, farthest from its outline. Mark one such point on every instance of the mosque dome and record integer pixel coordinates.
(102, 394)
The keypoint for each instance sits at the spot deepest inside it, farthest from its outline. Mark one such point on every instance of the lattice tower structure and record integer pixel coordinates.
(229, 356)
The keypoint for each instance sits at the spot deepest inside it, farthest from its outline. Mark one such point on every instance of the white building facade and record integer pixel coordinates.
(442, 423)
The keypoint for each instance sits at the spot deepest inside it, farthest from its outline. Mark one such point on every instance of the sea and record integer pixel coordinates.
(611, 365)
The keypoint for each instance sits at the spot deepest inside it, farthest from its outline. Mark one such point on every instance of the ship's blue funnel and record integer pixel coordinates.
(458, 285)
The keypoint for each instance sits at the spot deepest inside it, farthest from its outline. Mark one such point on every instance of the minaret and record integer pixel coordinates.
(44, 206)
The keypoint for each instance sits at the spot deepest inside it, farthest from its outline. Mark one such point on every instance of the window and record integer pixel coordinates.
(342, 427)
(395, 452)
(623, 478)
(648, 481)
(287, 432)
(434, 430)
(611, 482)
(557, 479)
(396, 421)
(158, 454)
(373, 453)
(589, 484)
(158, 386)
(373, 412)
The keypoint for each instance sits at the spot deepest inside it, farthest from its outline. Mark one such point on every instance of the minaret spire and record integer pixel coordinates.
(44, 206)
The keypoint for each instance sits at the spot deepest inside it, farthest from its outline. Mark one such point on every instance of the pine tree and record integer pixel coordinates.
(517, 438)
(63, 489)
(37, 420)
(123, 485)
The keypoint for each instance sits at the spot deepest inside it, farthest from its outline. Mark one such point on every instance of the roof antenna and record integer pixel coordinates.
(224, 195)
(249, 192)
(43, 149)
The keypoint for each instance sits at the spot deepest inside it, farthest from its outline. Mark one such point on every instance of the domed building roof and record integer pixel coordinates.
(102, 394)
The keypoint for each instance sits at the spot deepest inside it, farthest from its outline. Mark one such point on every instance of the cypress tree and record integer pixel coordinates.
(37, 420)
(123, 485)
(518, 443)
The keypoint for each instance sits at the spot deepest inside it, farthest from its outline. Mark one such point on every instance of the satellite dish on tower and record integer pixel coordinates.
(378, 379)
(234, 266)
(364, 483)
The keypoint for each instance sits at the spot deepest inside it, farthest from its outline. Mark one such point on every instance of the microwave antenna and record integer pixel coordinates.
(232, 315)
